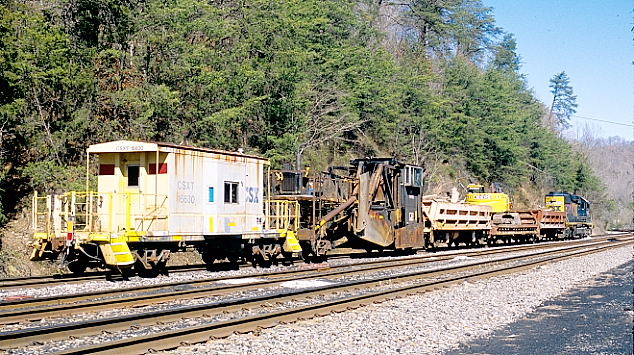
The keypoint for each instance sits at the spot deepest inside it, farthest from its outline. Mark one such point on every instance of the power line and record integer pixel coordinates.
(606, 121)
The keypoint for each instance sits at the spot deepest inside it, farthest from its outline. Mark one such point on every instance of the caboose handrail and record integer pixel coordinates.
(88, 209)
(281, 214)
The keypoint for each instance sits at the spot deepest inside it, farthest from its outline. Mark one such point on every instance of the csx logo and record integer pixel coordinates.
(252, 194)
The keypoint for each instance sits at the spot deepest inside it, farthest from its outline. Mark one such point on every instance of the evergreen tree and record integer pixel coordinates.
(564, 102)
(505, 55)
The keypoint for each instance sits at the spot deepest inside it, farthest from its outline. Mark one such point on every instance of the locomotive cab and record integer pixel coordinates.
(577, 209)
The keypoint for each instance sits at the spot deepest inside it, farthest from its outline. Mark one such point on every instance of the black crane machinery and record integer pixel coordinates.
(373, 204)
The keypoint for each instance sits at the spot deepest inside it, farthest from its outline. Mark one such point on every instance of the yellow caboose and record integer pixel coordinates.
(156, 198)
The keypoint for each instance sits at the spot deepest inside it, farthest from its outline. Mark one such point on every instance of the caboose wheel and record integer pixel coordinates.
(262, 261)
(126, 273)
(77, 266)
(149, 274)
(233, 259)
(288, 258)
(208, 258)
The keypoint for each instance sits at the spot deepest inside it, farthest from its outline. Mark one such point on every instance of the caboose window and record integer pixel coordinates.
(231, 192)
(133, 176)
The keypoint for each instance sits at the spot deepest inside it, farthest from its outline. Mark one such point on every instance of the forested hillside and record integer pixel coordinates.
(310, 82)
(613, 161)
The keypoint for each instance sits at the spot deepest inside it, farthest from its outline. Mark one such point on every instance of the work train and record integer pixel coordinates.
(157, 198)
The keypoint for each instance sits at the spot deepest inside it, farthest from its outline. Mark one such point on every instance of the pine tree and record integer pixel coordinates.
(564, 102)
(506, 57)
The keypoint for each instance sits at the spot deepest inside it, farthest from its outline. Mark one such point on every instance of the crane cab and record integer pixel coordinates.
(477, 195)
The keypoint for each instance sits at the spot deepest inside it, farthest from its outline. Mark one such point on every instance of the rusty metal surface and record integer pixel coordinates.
(364, 203)
(378, 230)
(526, 222)
(552, 220)
(449, 216)
(411, 236)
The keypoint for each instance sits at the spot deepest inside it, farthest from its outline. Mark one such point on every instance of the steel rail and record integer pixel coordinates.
(48, 280)
(197, 334)
(26, 336)
(37, 308)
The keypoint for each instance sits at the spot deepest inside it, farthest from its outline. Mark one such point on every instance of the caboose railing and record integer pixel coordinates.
(281, 214)
(97, 212)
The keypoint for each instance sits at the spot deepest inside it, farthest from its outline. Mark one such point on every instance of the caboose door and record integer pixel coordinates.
(131, 199)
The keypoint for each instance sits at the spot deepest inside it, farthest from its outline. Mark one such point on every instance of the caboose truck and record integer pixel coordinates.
(156, 198)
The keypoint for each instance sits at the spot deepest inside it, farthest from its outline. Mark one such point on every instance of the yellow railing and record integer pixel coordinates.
(97, 212)
(41, 213)
(282, 214)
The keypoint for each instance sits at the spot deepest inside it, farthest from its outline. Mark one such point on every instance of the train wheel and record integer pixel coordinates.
(207, 258)
(307, 250)
(147, 273)
(127, 272)
(259, 260)
(77, 266)
(288, 258)
(234, 261)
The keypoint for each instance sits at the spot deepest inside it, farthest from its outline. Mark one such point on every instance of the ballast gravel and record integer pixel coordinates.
(272, 290)
(104, 285)
(429, 323)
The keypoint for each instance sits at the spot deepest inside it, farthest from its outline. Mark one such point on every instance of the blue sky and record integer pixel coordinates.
(590, 40)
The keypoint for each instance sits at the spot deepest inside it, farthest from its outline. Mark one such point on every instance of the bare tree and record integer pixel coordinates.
(327, 120)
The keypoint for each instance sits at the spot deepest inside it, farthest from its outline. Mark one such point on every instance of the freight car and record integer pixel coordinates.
(377, 204)
(156, 198)
(373, 204)
(510, 224)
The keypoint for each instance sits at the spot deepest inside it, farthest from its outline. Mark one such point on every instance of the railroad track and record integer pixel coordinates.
(49, 280)
(32, 309)
(333, 297)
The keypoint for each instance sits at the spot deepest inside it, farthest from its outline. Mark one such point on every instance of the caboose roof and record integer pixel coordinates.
(140, 146)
